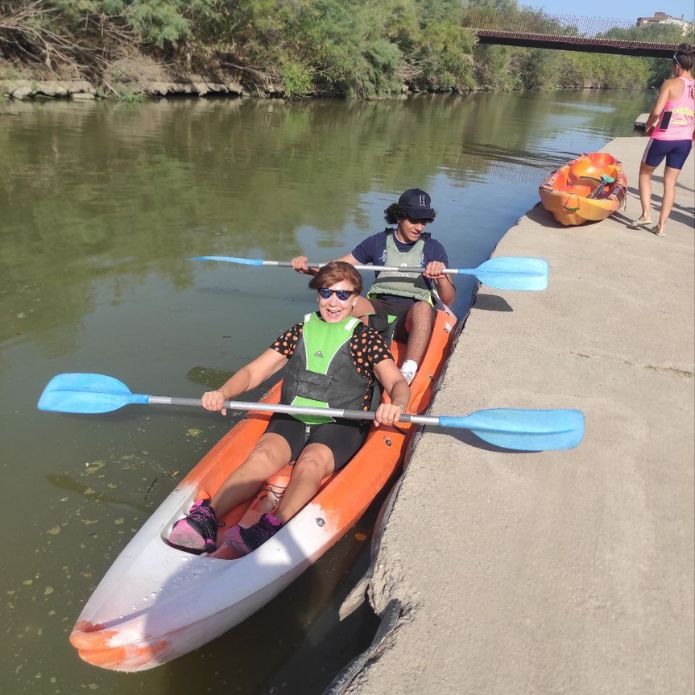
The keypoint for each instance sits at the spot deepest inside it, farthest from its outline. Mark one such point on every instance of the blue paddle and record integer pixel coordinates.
(504, 273)
(523, 430)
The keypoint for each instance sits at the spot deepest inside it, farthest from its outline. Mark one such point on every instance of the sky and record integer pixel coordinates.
(621, 9)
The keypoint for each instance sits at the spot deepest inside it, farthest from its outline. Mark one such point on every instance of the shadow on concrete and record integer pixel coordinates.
(621, 217)
(679, 213)
(491, 302)
(467, 437)
(542, 217)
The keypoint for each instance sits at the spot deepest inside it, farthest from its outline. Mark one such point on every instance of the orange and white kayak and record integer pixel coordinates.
(157, 603)
(587, 189)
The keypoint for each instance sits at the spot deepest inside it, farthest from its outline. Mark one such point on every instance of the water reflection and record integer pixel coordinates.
(116, 192)
(100, 206)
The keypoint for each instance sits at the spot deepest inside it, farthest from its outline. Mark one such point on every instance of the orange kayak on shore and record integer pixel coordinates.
(157, 603)
(587, 189)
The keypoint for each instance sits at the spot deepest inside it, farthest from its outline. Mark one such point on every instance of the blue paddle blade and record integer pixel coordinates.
(86, 393)
(229, 259)
(524, 430)
(514, 273)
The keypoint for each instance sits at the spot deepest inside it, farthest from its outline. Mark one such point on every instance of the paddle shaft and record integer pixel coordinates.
(294, 409)
(379, 268)
(514, 273)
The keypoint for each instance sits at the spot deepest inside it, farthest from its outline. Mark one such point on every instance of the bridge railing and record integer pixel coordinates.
(539, 23)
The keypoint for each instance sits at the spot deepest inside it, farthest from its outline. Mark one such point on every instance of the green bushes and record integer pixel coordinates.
(296, 79)
(546, 69)
(365, 48)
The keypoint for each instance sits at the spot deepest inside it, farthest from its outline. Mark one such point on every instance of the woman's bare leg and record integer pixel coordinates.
(271, 454)
(670, 178)
(645, 190)
(315, 462)
(313, 465)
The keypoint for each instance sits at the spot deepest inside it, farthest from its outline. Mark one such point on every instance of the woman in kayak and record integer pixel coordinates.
(671, 126)
(332, 361)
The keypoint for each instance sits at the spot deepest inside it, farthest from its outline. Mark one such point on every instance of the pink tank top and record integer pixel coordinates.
(682, 115)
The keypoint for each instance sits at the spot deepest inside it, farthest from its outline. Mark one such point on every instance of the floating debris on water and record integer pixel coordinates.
(208, 376)
(94, 466)
(48, 591)
(54, 531)
(194, 432)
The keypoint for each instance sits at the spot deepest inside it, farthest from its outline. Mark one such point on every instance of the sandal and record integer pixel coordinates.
(640, 224)
(656, 231)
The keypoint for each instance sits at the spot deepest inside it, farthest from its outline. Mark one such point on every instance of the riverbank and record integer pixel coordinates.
(364, 51)
(21, 89)
(567, 571)
(28, 89)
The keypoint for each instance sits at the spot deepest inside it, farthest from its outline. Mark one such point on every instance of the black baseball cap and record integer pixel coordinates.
(417, 204)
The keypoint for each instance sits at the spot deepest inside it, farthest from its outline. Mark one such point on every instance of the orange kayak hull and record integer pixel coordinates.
(576, 192)
(156, 602)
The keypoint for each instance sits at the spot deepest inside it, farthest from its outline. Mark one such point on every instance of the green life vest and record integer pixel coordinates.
(398, 283)
(321, 373)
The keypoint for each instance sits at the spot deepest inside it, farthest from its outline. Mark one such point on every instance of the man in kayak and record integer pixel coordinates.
(409, 297)
(332, 360)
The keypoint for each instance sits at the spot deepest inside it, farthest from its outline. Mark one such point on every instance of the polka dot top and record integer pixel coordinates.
(367, 348)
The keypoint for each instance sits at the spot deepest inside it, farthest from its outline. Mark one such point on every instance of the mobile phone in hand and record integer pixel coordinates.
(665, 120)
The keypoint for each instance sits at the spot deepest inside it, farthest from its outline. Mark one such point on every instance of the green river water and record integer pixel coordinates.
(100, 206)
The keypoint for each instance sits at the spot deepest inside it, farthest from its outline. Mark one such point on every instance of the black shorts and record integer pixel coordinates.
(343, 437)
(395, 306)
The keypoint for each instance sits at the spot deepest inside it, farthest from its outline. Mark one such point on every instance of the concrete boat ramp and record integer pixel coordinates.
(558, 571)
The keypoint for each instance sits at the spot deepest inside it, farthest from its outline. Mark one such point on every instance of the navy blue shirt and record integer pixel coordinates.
(373, 251)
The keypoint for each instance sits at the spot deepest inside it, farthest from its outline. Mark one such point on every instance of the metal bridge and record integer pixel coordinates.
(534, 29)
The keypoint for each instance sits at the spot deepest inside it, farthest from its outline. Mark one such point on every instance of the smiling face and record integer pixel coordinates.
(409, 230)
(333, 309)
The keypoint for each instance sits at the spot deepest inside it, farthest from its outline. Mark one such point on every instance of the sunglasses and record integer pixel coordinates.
(675, 59)
(343, 295)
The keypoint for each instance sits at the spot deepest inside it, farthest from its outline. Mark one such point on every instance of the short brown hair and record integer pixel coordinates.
(335, 271)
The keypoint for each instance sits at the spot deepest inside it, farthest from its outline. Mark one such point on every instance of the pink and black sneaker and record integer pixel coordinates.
(245, 540)
(197, 531)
